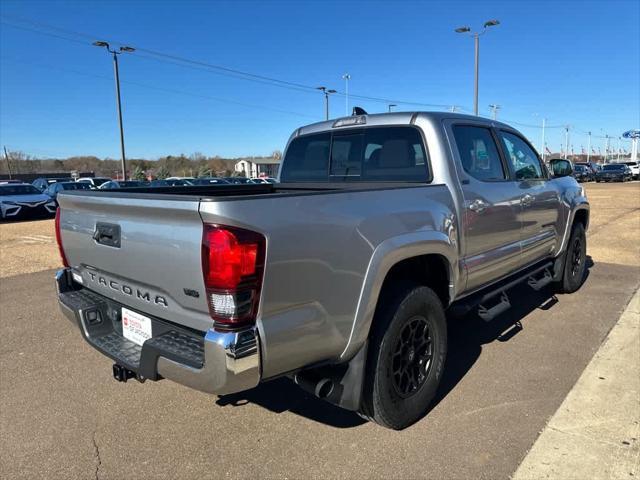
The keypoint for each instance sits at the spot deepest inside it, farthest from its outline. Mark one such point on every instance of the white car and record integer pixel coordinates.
(95, 181)
(635, 169)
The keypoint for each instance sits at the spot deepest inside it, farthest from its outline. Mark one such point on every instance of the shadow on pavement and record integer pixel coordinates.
(466, 334)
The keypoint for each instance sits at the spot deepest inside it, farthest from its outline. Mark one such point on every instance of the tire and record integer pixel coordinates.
(573, 274)
(409, 331)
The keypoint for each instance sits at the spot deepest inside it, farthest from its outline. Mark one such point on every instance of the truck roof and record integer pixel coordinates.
(394, 118)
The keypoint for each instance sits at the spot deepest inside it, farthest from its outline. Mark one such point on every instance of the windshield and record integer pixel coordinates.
(613, 167)
(631, 164)
(580, 168)
(18, 190)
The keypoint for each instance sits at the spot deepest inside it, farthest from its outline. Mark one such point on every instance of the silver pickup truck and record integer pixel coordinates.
(339, 277)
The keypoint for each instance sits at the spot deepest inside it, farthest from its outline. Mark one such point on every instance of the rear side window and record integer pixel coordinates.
(479, 153)
(375, 154)
(307, 159)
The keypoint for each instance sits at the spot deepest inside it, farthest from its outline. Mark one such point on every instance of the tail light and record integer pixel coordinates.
(232, 266)
(59, 239)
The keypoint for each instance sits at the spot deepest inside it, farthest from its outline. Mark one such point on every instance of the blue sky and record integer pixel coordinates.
(571, 62)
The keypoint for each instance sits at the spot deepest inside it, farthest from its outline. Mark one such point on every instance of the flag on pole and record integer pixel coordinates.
(582, 149)
(547, 149)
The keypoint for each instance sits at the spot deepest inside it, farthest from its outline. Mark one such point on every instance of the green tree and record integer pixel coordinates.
(162, 172)
(138, 174)
(204, 171)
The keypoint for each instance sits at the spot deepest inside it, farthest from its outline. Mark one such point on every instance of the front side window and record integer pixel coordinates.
(523, 159)
(478, 153)
(374, 154)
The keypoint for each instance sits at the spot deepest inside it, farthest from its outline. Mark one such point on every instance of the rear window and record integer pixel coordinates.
(374, 154)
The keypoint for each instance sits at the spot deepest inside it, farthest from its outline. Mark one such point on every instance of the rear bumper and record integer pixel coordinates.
(213, 362)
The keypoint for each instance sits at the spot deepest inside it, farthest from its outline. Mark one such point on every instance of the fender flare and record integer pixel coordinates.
(385, 256)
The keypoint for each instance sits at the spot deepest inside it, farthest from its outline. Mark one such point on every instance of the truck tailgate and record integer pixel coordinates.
(154, 268)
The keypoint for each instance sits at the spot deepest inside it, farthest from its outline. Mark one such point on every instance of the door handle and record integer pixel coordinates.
(526, 200)
(478, 205)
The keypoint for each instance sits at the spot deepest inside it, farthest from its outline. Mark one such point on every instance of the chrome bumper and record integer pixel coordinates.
(230, 363)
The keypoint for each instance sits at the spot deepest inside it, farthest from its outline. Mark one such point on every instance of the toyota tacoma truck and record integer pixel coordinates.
(339, 277)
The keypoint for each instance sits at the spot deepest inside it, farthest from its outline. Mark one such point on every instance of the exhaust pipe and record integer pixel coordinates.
(319, 386)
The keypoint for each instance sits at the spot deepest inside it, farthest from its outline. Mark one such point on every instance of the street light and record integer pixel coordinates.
(476, 37)
(115, 54)
(346, 77)
(326, 92)
(494, 110)
(391, 105)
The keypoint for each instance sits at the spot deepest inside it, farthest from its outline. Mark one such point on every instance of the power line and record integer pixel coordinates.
(162, 89)
(209, 67)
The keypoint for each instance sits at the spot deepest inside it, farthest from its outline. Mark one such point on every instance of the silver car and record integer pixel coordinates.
(23, 201)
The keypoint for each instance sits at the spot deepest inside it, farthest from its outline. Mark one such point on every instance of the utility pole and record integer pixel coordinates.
(346, 78)
(606, 148)
(618, 158)
(589, 147)
(115, 54)
(494, 110)
(476, 38)
(544, 124)
(6, 156)
(326, 92)
(566, 141)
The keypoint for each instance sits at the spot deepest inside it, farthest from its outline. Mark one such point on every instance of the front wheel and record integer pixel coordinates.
(575, 262)
(407, 351)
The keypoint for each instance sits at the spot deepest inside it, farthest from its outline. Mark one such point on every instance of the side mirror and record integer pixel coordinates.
(561, 167)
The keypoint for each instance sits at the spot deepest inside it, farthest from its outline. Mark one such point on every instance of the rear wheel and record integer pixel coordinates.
(408, 347)
(575, 262)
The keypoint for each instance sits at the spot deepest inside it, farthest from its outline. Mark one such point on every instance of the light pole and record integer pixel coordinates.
(589, 147)
(476, 37)
(566, 141)
(391, 105)
(326, 92)
(115, 54)
(494, 110)
(346, 77)
(544, 124)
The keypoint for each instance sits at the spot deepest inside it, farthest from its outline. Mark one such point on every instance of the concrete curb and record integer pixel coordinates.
(595, 433)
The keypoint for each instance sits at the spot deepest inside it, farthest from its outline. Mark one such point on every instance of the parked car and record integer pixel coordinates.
(264, 180)
(592, 166)
(209, 181)
(23, 200)
(238, 180)
(170, 182)
(123, 184)
(583, 173)
(9, 180)
(55, 188)
(188, 179)
(614, 172)
(339, 281)
(635, 169)
(42, 183)
(95, 181)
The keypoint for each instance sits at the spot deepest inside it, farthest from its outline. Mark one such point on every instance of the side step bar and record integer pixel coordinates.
(537, 278)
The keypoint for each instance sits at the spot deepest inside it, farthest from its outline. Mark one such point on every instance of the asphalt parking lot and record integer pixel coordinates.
(63, 416)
